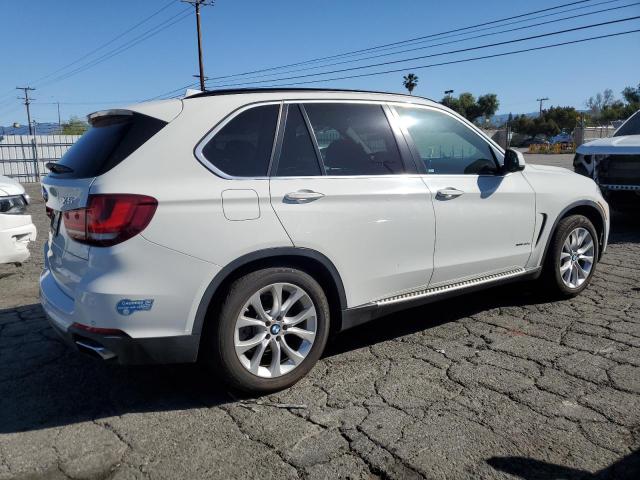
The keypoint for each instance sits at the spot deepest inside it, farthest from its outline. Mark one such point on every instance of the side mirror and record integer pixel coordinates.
(513, 161)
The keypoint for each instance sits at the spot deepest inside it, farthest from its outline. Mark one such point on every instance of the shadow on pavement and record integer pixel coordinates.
(625, 227)
(627, 468)
(44, 384)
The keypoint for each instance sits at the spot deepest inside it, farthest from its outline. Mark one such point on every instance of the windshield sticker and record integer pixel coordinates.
(127, 307)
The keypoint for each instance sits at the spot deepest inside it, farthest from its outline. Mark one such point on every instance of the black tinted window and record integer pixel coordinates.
(110, 140)
(298, 156)
(354, 139)
(445, 145)
(243, 147)
(630, 127)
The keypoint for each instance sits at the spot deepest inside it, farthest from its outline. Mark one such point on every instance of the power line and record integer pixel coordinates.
(532, 37)
(132, 43)
(27, 102)
(573, 17)
(541, 100)
(114, 39)
(176, 90)
(117, 37)
(451, 62)
(329, 57)
(343, 54)
(90, 103)
(197, 4)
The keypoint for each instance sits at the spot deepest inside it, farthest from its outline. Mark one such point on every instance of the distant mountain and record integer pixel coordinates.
(41, 129)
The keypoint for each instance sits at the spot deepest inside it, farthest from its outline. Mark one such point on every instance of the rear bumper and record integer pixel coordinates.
(122, 349)
(125, 350)
(16, 231)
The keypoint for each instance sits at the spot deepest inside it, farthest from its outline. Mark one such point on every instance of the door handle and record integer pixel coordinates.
(302, 196)
(448, 193)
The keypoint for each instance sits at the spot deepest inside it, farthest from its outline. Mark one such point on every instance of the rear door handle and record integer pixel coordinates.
(302, 196)
(448, 193)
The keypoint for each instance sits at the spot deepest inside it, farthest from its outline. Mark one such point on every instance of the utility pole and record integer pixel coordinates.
(59, 122)
(448, 93)
(197, 4)
(27, 102)
(541, 100)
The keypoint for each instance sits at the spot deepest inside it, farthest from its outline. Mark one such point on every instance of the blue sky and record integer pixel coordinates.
(39, 37)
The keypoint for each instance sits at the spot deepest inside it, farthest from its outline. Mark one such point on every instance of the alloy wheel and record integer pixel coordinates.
(275, 330)
(576, 257)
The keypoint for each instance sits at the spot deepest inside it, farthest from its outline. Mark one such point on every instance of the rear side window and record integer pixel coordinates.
(298, 155)
(354, 139)
(110, 140)
(243, 147)
(445, 145)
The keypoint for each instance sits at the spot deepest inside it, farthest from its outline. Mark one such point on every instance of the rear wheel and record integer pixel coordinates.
(572, 256)
(273, 327)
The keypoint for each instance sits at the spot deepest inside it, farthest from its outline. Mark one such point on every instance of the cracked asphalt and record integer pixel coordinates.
(498, 384)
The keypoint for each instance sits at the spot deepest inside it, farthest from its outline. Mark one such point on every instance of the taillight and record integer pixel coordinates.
(110, 219)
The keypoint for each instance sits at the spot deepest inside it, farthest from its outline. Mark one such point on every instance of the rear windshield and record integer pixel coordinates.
(630, 127)
(110, 140)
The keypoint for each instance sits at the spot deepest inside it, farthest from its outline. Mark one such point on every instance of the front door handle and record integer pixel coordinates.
(302, 196)
(448, 193)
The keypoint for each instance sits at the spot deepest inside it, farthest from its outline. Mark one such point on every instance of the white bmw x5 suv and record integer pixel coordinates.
(242, 227)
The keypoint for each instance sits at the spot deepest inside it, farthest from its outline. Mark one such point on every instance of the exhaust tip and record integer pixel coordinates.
(94, 349)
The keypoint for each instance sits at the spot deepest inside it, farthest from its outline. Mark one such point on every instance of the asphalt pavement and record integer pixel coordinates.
(503, 383)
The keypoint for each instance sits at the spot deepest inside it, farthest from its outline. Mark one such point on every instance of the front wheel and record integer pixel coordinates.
(272, 329)
(572, 256)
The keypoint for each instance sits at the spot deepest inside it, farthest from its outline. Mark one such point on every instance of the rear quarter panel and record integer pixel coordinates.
(190, 218)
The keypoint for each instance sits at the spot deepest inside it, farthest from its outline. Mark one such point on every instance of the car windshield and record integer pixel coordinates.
(630, 127)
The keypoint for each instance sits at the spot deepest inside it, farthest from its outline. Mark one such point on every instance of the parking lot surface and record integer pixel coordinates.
(498, 384)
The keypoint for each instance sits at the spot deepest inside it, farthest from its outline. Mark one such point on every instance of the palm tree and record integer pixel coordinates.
(410, 81)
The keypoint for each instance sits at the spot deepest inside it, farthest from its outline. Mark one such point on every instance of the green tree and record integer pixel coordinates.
(565, 118)
(410, 81)
(470, 108)
(604, 107)
(75, 126)
(488, 104)
(632, 95)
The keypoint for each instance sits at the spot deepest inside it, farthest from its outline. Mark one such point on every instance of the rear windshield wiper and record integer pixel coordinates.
(58, 168)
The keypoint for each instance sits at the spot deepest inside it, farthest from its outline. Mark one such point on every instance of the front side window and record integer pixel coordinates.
(354, 139)
(445, 145)
(242, 148)
(630, 127)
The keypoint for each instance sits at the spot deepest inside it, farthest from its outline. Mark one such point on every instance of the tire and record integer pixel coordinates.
(254, 371)
(561, 250)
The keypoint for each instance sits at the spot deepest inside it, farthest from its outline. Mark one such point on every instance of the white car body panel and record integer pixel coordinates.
(625, 145)
(387, 236)
(16, 231)
(556, 188)
(379, 231)
(488, 228)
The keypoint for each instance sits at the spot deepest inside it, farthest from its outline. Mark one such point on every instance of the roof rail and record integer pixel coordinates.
(237, 91)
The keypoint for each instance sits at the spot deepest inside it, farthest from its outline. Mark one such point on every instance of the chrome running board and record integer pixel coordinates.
(428, 292)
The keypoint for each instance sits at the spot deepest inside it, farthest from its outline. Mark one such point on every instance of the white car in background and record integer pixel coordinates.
(242, 227)
(16, 227)
(614, 164)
